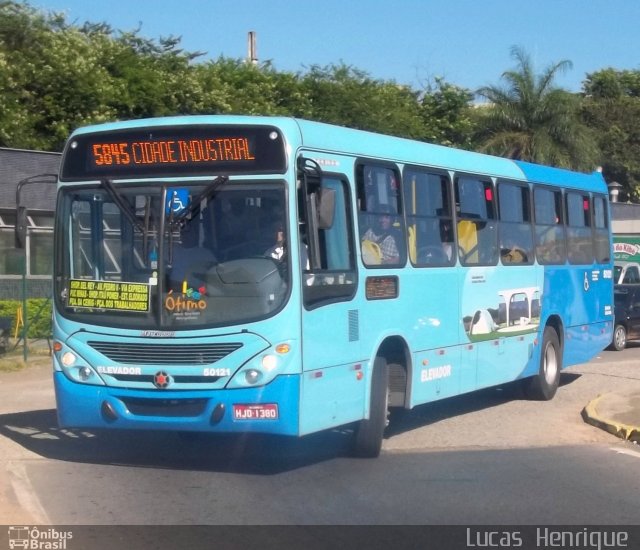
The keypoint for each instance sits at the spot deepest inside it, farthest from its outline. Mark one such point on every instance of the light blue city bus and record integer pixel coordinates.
(260, 274)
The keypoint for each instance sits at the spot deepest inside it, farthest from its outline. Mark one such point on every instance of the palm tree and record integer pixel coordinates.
(531, 119)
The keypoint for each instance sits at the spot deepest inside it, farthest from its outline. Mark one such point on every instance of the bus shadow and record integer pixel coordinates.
(257, 454)
(253, 454)
(402, 420)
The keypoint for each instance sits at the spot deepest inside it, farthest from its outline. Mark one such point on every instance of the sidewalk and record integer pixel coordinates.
(616, 413)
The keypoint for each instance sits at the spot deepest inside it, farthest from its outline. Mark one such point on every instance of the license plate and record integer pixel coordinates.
(266, 411)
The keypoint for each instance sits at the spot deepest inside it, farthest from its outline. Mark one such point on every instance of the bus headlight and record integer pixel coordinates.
(252, 376)
(84, 373)
(68, 358)
(74, 366)
(263, 368)
(269, 362)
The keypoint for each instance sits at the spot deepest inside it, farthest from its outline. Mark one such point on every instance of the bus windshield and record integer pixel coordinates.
(172, 256)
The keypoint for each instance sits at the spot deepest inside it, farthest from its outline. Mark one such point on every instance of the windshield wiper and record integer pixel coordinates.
(208, 192)
(123, 205)
(179, 220)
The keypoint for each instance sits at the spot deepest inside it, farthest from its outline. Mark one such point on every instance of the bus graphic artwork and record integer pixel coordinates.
(18, 537)
(405, 273)
(516, 312)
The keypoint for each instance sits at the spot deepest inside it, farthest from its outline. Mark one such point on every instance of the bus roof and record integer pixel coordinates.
(340, 140)
(558, 176)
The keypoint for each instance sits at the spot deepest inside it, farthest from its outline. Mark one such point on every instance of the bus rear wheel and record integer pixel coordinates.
(543, 386)
(370, 432)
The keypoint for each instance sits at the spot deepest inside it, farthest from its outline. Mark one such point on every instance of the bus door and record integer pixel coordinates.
(333, 383)
(430, 290)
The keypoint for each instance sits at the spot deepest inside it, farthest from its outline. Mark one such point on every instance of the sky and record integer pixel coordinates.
(466, 42)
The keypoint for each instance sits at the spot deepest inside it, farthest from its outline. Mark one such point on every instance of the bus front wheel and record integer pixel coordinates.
(543, 386)
(369, 433)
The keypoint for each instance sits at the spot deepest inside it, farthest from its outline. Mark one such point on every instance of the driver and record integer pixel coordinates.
(277, 250)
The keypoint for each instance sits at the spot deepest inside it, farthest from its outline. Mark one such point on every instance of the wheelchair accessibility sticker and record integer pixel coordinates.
(177, 200)
(586, 281)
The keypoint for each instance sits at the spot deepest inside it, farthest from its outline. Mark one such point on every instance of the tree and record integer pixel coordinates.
(51, 81)
(612, 84)
(236, 87)
(611, 107)
(341, 94)
(55, 77)
(147, 77)
(447, 114)
(531, 119)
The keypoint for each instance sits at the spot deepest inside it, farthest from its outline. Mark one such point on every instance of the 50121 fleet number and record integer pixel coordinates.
(216, 372)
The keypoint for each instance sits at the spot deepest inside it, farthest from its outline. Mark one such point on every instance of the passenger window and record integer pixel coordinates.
(579, 242)
(549, 226)
(335, 279)
(477, 231)
(601, 243)
(429, 218)
(382, 234)
(516, 239)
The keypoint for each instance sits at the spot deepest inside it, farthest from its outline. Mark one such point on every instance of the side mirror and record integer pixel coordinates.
(326, 207)
(21, 227)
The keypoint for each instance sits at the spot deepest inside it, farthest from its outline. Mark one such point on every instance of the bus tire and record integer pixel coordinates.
(370, 431)
(619, 341)
(543, 386)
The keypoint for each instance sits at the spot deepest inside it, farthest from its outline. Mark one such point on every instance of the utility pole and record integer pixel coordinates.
(252, 55)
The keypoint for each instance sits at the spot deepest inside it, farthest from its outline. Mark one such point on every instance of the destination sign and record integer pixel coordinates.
(174, 151)
(110, 295)
(171, 152)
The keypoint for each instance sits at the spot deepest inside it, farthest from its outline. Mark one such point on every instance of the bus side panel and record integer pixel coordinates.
(333, 386)
(429, 306)
(500, 312)
(582, 297)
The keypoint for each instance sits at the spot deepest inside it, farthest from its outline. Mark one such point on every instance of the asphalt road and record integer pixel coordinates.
(485, 458)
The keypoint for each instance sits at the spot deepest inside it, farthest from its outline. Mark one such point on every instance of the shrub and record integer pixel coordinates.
(38, 316)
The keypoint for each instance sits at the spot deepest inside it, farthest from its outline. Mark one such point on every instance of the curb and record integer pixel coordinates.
(623, 431)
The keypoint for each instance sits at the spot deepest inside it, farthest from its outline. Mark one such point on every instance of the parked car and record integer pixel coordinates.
(626, 273)
(626, 315)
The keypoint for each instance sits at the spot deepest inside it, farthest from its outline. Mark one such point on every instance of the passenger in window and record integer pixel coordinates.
(442, 251)
(549, 247)
(511, 253)
(378, 243)
(446, 236)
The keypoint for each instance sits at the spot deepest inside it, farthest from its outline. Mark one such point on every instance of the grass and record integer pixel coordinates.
(13, 359)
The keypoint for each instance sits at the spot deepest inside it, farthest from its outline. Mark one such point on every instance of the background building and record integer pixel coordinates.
(625, 224)
(15, 166)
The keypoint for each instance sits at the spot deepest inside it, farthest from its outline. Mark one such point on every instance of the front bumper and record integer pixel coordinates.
(88, 406)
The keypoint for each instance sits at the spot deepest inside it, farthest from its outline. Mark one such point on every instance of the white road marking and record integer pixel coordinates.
(25, 493)
(628, 452)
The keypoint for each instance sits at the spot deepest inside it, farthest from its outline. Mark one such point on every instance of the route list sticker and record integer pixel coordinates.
(109, 295)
